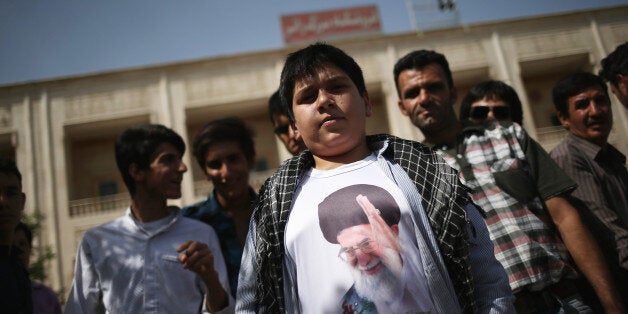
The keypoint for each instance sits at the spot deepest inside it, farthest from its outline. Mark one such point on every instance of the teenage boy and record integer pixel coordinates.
(289, 266)
(281, 124)
(151, 259)
(15, 285)
(518, 186)
(225, 150)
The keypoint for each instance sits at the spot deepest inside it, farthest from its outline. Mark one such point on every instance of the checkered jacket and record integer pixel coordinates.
(510, 176)
(444, 199)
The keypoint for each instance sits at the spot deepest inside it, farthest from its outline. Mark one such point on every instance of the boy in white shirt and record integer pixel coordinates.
(289, 265)
(152, 259)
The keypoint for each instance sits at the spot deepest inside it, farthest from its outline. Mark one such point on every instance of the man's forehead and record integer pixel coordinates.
(587, 92)
(429, 73)
(165, 148)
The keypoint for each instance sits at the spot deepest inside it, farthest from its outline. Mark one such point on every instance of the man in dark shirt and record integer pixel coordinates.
(15, 287)
(584, 109)
(225, 151)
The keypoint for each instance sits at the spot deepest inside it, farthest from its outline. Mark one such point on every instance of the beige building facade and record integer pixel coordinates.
(61, 131)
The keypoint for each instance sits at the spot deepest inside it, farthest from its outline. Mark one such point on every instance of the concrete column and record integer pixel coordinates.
(510, 72)
(174, 97)
(398, 124)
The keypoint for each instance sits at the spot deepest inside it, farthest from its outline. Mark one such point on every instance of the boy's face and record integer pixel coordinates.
(227, 168)
(11, 201)
(164, 174)
(329, 112)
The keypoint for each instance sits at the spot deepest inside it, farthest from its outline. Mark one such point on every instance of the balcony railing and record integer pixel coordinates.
(98, 205)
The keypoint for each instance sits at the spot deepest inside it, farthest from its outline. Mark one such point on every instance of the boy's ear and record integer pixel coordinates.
(368, 104)
(136, 173)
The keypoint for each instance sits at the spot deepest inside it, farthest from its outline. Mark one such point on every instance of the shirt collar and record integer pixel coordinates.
(591, 150)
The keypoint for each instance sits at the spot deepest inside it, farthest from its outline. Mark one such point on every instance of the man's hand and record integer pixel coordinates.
(384, 235)
(196, 257)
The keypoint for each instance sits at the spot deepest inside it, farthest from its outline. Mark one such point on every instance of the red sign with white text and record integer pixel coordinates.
(330, 24)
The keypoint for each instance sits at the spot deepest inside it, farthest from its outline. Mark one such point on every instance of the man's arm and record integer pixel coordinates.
(197, 257)
(591, 194)
(85, 294)
(492, 291)
(585, 252)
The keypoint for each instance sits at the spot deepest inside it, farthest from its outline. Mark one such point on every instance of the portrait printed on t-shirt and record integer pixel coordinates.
(364, 221)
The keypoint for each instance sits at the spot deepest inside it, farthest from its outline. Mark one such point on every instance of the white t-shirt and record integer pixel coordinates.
(328, 284)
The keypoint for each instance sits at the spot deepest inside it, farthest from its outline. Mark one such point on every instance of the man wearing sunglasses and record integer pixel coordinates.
(491, 101)
(279, 118)
(519, 187)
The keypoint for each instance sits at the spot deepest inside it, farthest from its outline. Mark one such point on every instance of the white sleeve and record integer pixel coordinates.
(85, 294)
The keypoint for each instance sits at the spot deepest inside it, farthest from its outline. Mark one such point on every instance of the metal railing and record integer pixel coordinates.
(97, 205)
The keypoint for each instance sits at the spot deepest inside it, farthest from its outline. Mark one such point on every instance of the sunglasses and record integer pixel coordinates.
(481, 112)
(282, 129)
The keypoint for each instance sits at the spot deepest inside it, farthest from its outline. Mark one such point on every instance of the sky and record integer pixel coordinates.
(46, 39)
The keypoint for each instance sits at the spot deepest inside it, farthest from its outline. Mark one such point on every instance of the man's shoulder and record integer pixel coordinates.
(109, 226)
(561, 149)
(195, 208)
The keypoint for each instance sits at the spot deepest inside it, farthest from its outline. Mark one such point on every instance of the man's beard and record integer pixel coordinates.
(385, 285)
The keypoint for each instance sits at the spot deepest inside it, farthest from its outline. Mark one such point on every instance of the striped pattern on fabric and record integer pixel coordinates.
(526, 242)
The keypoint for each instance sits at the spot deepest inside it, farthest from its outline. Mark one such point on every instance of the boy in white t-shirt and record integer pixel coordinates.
(439, 255)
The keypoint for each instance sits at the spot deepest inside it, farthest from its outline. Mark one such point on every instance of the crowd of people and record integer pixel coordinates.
(477, 218)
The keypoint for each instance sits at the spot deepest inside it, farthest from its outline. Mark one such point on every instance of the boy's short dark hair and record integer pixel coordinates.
(493, 90)
(8, 166)
(231, 129)
(615, 63)
(572, 85)
(419, 59)
(137, 144)
(306, 63)
(275, 107)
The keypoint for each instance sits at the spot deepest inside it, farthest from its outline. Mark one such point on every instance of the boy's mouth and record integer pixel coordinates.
(330, 120)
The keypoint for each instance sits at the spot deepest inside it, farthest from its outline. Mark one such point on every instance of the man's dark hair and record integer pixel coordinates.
(308, 61)
(8, 166)
(275, 107)
(615, 63)
(230, 129)
(419, 59)
(27, 232)
(572, 85)
(137, 144)
(492, 90)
